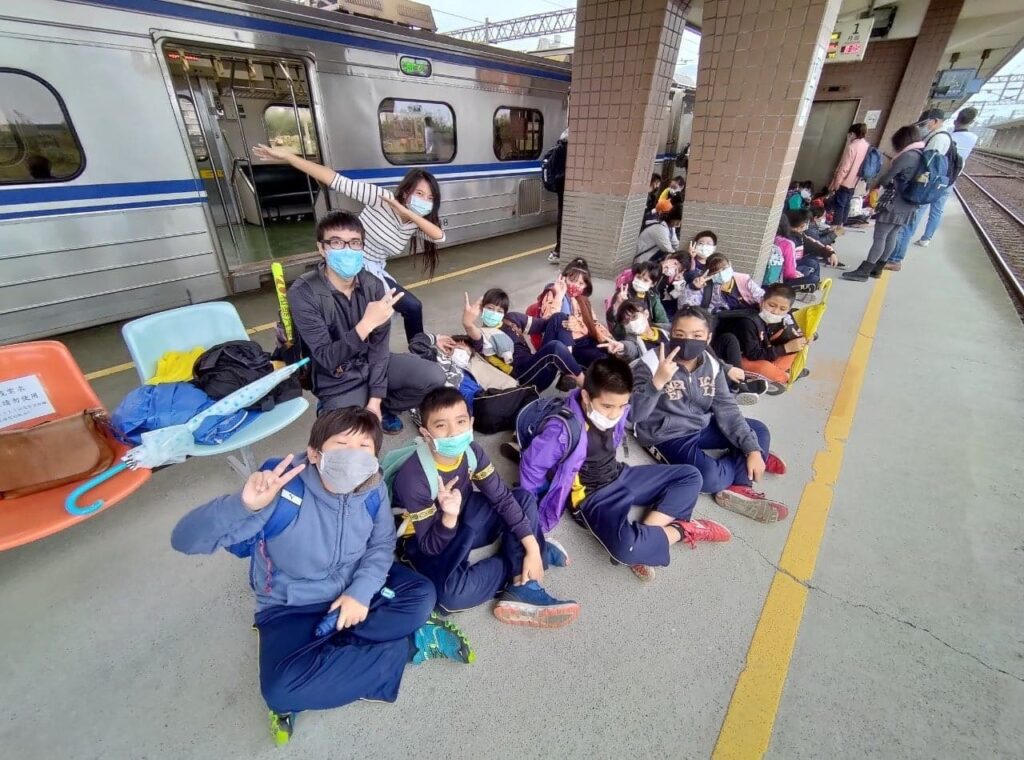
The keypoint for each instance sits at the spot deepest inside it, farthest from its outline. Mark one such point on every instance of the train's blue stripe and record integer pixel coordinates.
(239, 21)
(440, 171)
(111, 207)
(89, 192)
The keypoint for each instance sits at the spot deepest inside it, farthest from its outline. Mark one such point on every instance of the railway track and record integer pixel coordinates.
(999, 224)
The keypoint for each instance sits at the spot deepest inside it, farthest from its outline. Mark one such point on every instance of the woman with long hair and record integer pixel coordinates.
(392, 221)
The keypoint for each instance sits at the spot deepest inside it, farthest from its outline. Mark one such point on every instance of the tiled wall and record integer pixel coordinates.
(623, 63)
(874, 81)
(755, 57)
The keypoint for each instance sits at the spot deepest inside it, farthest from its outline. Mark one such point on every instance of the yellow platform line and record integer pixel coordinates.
(750, 717)
(107, 371)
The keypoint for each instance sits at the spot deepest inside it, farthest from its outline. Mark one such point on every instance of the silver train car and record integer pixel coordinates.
(127, 184)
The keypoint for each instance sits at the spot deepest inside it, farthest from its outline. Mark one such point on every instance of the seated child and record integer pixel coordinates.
(327, 560)
(682, 407)
(642, 287)
(570, 314)
(658, 232)
(818, 228)
(769, 340)
(720, 288)
(701, 248)
(602, 490)
(455, 509)
(804, 275)
(539, 369)
(671, 283)
(639, 335)
(808, 251)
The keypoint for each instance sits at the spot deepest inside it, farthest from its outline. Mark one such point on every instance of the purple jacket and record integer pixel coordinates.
(543, 454)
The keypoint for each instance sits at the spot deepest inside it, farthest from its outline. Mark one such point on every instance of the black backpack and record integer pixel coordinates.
(552, 167)
(223, 369)
(956, 161)
(495, 410)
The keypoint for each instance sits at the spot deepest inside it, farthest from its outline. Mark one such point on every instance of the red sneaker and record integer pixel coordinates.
(643, 572)
(746, 501)
(702, 530)
(774, 464)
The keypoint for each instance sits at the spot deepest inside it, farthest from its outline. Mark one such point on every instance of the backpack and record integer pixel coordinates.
(286, 509)
(552, 167)
(226, 367)
(956, 161)
(393, 461)
(495, 410)
(534, 416)
(871, 166)
(773, 271)
(291, 351)
(929, 180)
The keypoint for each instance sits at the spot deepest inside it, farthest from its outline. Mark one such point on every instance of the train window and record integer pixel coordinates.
(416, 131)
(192, 128)
(518, 133)
(37, 141)
(283, 132)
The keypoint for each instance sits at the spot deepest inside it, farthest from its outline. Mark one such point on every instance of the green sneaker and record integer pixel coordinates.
(281, 727)
(440, 638)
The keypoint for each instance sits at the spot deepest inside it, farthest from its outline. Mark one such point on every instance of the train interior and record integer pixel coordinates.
(230, 101)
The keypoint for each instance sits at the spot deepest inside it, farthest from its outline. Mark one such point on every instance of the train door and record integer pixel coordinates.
(229, 101)
(824, 140)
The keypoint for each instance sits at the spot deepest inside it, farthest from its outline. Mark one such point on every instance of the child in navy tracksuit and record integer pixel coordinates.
(457, 502)
(336, 556)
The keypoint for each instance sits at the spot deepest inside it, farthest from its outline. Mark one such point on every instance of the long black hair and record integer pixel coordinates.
(403, 192)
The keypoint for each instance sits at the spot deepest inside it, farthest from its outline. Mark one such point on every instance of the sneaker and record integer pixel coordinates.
(282, 726)
(643, 572)
(702, 530)
(441, 639)
(555, 554)
(566, 383)
(774, 464)
(922, 242)
(745, 501)
(749, 392)
(510, 449)
(745, 398)
(391, 423)
(530, 605)
(554, 257)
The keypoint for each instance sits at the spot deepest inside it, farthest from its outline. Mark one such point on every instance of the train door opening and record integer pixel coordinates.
(824, 140)
(229, 102)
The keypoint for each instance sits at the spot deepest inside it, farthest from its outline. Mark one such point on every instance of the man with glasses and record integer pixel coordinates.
(343, 317)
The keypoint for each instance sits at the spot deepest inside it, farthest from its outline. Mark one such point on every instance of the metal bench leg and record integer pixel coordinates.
(245, 463)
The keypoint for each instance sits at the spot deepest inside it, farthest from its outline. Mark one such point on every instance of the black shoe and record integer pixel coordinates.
(756, 385)
(510, 449)
(860, 274)
(566, 383)
(877, 269)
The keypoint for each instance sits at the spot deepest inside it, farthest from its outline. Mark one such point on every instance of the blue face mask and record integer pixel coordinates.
(722, 276)
(345, 263)
(491, 318)
(420, 205)
(455, 445)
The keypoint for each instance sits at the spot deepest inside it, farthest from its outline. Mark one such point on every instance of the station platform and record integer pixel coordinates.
(882, 619)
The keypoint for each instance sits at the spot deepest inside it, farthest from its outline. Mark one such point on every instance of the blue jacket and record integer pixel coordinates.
(332, 548)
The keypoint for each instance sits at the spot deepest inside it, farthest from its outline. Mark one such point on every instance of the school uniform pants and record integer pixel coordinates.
(730, 469)
(461, 585)
(776, 371)
(810, 272)
(410, 378)
(299, 671)
(409, 306)
(672, 489)
(584, 350)
(543, 368)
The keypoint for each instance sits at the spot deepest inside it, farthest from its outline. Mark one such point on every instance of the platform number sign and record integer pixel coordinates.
(849, 41)
(23, 399)
(414, 67)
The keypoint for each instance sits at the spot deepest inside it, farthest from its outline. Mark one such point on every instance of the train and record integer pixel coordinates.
(127, 181)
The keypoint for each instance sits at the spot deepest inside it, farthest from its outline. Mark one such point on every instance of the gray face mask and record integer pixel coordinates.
(344, 470)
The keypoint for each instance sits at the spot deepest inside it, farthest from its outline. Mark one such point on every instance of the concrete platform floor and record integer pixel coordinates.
(116, 647)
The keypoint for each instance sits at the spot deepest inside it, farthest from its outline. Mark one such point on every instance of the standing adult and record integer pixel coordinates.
(844, 179)
(556, 169)
(965, 140)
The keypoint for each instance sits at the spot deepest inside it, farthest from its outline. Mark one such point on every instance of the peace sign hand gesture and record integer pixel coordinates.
(666, 367)
(261, 488)
(471, 311)
(449, 497)
(379, 312)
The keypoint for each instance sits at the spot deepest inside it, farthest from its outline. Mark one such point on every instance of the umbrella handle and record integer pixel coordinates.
(70, 502)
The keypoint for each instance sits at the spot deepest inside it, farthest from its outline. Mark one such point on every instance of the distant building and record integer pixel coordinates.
(1007, 136)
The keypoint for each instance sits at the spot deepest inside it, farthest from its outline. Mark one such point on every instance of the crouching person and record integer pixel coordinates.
(579, 444)
(338, 619)
(457, 502)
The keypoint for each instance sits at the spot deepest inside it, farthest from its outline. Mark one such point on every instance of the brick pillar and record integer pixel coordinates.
(758, 71)
(926, 59)
(622, 67)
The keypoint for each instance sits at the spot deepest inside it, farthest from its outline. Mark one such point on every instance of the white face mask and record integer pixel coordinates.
(705, 249)
(771, 319)
(600, 421)
(805, 194)
(460, 358)
(641, 286)
(637, 326)
(722, 276)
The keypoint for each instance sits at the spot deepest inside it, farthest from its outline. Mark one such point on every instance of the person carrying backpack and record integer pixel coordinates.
(963, 142)
(894, 211)
(338, 618)
(552, 176)
(849, 171)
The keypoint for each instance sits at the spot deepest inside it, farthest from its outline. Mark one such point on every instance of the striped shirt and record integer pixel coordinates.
(386, 235)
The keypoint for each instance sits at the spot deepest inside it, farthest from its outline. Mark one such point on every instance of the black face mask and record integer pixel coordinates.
(689, 348)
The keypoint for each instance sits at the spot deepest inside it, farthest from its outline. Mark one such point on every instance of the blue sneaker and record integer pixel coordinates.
(441, 639)
(391, 423)
(530, 605)
(555, 554)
